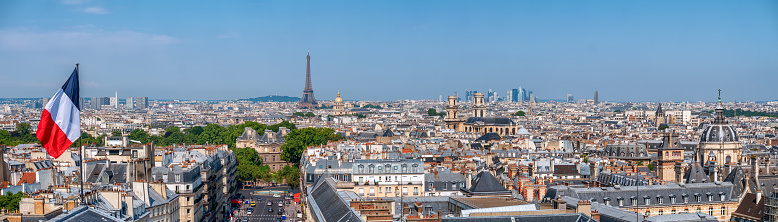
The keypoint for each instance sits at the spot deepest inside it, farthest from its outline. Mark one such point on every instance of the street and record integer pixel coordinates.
(263, 212)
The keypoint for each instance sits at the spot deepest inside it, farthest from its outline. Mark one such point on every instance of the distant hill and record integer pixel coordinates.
(273, 98)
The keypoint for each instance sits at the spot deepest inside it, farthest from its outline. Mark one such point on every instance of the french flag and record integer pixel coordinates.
(60, 123)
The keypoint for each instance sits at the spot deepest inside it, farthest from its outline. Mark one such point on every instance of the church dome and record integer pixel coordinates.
(718, 133)
(338, 99)
(719, 130)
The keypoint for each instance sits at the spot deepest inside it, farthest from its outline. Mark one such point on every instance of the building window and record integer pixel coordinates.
(672, 212)
(697, 197)
(387, 190)
(723, 211)
(661, 212)
(685, 199)
(710, 198)
(648, 213)
(453, 186)
(634, 201)
(722, 197)
(659, 200)
(178, 178)
(416, 192)
(647, 200)
(621, 203)
(710, 211)
(672, 200)
(607, 202)
(445, 186)
(372, 191)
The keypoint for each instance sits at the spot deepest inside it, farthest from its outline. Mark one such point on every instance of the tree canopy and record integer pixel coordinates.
(434, 112)
(211, 133)
(301, 114)
(518, 113)
(22, 135)
(299, 139)
(10, 201)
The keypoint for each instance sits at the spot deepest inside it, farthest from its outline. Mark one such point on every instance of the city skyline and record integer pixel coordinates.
(629, 51)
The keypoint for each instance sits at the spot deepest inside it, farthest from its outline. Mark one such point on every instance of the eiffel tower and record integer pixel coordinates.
(308, 101)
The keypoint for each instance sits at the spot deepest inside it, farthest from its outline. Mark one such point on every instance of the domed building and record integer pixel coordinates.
(478, 122)
(338, 108)
(719, 141)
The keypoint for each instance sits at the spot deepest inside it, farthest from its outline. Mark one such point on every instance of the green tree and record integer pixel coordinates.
(663, 127)
(139, 135)
(116, 133)
(432, 112)
(299, 139)
(10, 201)
(518, 113)
(285, 123)
(23, 128)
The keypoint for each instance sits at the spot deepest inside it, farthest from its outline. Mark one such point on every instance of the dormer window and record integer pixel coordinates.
(178, 178)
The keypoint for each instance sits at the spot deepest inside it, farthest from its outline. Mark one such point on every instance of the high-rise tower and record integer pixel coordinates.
(308, 101)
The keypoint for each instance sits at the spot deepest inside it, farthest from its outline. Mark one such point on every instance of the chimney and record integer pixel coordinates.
(584, 207)
(596, 215)
(436, 174)
(758, 196)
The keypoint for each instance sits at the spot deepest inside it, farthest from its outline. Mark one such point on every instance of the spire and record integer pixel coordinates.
(308, 100)
(720, 112)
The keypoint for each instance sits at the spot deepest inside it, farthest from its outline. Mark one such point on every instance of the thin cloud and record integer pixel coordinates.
(74, 2)
(32, 39)
(228, 35)
(95, 10)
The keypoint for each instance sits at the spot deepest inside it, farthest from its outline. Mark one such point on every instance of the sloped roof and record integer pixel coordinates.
(750, 208)
(28, 178)
(489, 137)
(490, 121)
(695, 174)
(486, 184)
(328, 205)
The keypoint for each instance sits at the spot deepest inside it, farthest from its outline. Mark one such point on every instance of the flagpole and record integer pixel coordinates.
(81, 150)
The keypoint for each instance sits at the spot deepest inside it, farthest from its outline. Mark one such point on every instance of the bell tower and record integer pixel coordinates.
(478, 105)
(452, 114)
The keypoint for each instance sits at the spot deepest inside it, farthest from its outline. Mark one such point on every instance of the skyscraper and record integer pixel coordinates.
(114, 101)
(141, 102)
(98, 102)
(515, 95)
(308, 100)
(128, 103)
(570, 98)
(596, 97)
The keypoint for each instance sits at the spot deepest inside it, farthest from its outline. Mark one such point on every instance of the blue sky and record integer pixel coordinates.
(389, 50)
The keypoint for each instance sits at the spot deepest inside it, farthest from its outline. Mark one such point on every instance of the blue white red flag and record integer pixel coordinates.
(60, 123)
